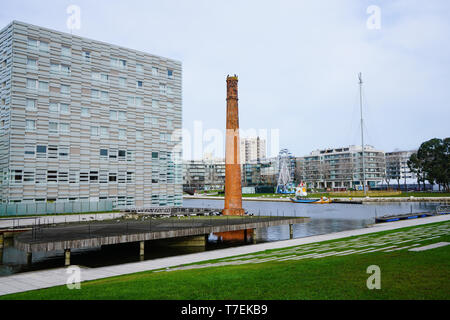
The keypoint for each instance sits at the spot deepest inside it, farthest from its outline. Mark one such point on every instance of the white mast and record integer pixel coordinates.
(362, 133)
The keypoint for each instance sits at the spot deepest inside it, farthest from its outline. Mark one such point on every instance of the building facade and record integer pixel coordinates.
(253, 149)
(204, 174)
(397, 170)
(342, 168)
(86, 120)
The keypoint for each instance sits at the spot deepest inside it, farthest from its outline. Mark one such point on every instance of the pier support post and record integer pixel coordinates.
(291, 231)
(1, 240)
(141, 250)
(67, 257)
(29, 258)
(1, 255)
(254, 236)
(245, 235)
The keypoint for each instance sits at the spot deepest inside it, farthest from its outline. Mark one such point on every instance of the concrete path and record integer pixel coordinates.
(48, 278)
(22, 222)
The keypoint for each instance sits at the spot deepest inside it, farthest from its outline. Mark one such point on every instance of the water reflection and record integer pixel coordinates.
(325, 218)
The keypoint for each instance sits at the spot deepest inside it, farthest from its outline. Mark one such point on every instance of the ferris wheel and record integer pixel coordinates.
(285, 184)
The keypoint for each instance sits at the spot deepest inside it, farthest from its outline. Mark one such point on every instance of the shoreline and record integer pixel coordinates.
(356, 200)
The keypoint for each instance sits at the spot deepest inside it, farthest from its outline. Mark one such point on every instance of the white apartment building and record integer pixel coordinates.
(252, 149)
(342, 168)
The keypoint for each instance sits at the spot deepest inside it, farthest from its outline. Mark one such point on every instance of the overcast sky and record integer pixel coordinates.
(297, 62)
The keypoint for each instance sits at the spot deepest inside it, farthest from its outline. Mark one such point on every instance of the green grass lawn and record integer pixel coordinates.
(404, 275)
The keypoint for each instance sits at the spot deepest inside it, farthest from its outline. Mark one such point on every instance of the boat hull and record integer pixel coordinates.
(310, 200)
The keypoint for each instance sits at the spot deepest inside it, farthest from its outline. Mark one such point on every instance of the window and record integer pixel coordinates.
(138, 84)
(112, 115)
(104, 153)
(94, 131)
(169, 106)
(65, 69)
(113, 154)
(87, 56)
(28, 176)
(122, 115)
(64, 153)
(155, 121)
(169, 73)
(130, 177)
(169, 124)
(154, 155)
(52, 176)
(93, 177)
(64, 128)
(64, 108)
(113, 177)
(43, 86)
(53, 107)
(54, 67)
(103, 176)
(41, 176)
(32, 43)
(122, 155)
(31, 105)
(15, 176)
(169, 90)
(139, 68)
(65, 89)
(103, 77)
(53, 127)
(32, 64)
(53, 152)
(118, 63)
(73, 176)
(162, 88)
(30, 125)
(41, 151)
(84, 176)
(154, 71)
(65, 51)
(104, 132)
(30, 151)
(122, 134)
(43, 46)
(85, 112)
(139, 135)
(63, 177)
(121, 177)
(104, 95)
(32, 84)
(95, 94)
(155, 104)
(135, 101)
(122, 82)
(130, 155)
(147, 120)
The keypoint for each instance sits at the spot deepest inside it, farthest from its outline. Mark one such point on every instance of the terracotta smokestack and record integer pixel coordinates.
(233, 189)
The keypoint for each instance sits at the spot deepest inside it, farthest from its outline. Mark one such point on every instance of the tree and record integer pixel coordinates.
(432, 162)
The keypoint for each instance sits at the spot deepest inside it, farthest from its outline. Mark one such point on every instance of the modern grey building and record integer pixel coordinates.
(86, 120)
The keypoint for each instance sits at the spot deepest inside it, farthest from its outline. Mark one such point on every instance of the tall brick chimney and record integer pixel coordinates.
(233, 189)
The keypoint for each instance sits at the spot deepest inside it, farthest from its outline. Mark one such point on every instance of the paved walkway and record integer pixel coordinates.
(49, 278)
(23, 222)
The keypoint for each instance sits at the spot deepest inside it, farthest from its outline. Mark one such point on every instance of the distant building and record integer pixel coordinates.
(398, 174)
(341, 168)
(253, 149)
(204, 174)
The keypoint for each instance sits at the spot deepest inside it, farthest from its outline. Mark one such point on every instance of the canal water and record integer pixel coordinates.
(325, 218)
